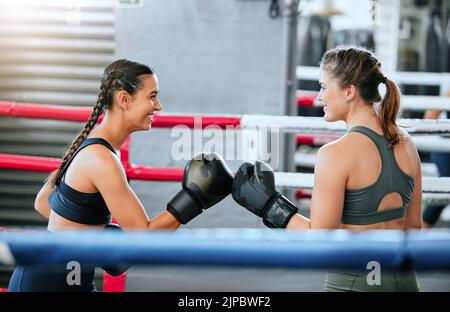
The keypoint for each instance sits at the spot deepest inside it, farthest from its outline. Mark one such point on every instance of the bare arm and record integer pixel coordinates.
(110, 179)
(432, 114)
(413, 217)
(327, 202)
(41, 204)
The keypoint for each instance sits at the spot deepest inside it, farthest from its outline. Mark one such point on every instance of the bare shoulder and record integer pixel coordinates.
(332, 151)
(333, 164)
(406, 145)
(342, 150)
(330, 148)
(338, 148)
(406, 139)
(354, 142)
(354, 139)
(100, 160)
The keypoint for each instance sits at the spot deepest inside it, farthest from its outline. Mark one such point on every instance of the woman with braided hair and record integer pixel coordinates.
(128, 96)
(91, 183)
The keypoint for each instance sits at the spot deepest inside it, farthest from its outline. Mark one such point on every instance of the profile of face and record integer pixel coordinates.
(333, 98)
(140, 107)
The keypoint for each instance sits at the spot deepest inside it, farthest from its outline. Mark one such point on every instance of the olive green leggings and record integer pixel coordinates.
(345, 280)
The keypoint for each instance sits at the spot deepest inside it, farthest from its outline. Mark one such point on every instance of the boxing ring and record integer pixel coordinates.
(314, 126)
(311, 249)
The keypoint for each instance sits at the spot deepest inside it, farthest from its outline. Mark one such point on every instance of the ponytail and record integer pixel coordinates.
(389, 110)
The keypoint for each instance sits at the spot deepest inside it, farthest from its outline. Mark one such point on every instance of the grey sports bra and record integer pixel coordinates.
(360, 206)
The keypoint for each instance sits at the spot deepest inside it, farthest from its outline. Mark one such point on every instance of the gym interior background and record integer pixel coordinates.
(220, 56)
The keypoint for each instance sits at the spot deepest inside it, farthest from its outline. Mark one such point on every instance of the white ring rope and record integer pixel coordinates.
(424, 102)
(318, 124)
(415, 78)
(428, 143)
(425, 143)
(306, 180)
(411, 102)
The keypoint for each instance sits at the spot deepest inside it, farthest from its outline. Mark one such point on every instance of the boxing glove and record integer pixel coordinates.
(206, 181)
(115, 269)
(254, 188)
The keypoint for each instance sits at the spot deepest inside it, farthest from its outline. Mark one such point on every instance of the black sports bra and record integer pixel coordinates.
(76, 206)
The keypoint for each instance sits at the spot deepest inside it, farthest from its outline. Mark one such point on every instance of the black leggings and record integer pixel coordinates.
(54, 279)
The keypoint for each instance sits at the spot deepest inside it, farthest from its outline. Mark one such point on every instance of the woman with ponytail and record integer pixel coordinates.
(370, 178)
(91, 183)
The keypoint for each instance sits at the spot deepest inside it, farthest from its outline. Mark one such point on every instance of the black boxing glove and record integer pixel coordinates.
(115, 269)
(206, 181)
(254, 188)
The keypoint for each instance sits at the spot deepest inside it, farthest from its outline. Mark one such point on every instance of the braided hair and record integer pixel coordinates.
(119, 75)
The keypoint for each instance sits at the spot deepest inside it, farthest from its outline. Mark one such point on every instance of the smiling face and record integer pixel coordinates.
(143, 104)
(332, 97)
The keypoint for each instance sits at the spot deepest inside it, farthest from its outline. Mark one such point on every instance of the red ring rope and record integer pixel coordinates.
(81, 114)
